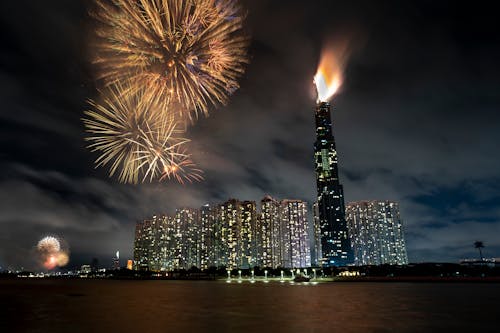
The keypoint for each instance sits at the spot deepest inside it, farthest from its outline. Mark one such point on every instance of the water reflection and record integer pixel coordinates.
(240, 305)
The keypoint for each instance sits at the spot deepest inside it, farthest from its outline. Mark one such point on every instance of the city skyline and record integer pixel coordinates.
(233, 234)
(415, 122)
(241, 234)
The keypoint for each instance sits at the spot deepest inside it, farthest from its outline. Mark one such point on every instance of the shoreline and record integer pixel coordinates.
(363, 279)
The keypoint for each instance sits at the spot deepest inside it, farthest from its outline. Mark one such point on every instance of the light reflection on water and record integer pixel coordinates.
(243, 306)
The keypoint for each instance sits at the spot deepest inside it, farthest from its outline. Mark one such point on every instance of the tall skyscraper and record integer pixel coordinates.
(335, 242)
(376, 232)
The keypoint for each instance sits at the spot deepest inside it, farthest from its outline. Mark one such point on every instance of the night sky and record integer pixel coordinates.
(416, 120)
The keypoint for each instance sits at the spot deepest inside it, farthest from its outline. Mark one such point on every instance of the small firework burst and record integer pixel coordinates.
(52, 253)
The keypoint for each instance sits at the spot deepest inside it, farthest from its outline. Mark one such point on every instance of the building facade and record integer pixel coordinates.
(335, 242)
(231, 235)
(296, 241)
(269, 241)
(316, 253)
(376, 232)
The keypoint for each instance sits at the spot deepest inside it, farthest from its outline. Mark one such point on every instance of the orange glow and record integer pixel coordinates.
(50, 263)
(329, 75)
(62, 259)
(170, 169)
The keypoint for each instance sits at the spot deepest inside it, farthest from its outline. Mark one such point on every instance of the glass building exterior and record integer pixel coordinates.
(335, 242)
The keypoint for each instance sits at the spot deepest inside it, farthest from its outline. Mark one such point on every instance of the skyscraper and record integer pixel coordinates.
(376, 232)
(335, 242)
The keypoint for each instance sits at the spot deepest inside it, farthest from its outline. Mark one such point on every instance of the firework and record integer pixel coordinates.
(49, 244)
(189, 53)
(62, 259)
(183, 169)
(51, 253)
(133, 135)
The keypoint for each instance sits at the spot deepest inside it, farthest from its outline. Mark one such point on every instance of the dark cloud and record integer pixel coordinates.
(415, 121)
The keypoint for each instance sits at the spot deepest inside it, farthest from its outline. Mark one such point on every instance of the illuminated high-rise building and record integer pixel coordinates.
(316, 254)
(116, 260)
(188, 245)
(283, 234)
(230, 235)
(142, 244)
(207, 237)
(248, 237)
(150, 244)
(376, 232)
(228, 222)
(295, 226)
(165, 243)
(269, 245)
(335, 242)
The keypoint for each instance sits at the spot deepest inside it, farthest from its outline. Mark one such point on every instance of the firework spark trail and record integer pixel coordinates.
(135, 136)
(188, 52)
(184, 170)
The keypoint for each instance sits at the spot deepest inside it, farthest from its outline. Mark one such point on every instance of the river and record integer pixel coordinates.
(51, 305)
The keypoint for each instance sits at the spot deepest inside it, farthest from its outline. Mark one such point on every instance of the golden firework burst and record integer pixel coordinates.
(189, 53)
(134, 135)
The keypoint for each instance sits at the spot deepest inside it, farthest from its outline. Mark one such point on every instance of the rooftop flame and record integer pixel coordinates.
(328, 77)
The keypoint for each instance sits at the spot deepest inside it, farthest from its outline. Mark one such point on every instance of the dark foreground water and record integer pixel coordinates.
(32, 305)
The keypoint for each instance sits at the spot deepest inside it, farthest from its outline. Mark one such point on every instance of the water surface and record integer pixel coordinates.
(31, 305)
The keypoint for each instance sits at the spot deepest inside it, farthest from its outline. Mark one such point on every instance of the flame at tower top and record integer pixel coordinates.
(328, 78)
